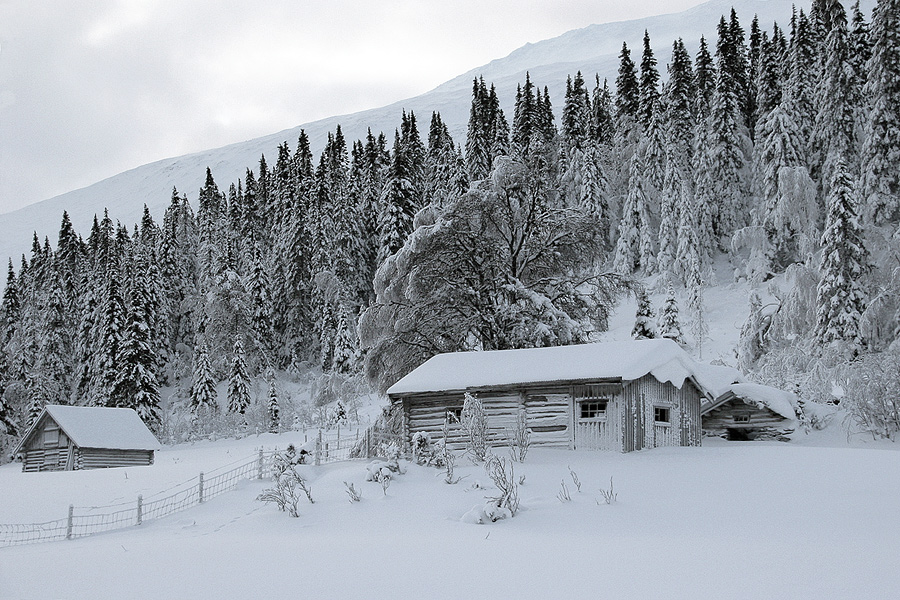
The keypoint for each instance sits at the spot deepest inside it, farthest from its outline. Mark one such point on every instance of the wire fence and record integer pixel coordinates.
(325, 448)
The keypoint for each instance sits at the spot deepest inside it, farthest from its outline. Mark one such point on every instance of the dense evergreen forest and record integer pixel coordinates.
(778, 149)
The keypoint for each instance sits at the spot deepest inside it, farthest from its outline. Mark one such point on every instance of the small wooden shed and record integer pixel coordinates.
(749, 411)
(67, 438)
(618, 396)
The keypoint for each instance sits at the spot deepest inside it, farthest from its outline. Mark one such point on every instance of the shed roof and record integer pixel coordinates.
(98, 427)
(625, 360)
(778, 401)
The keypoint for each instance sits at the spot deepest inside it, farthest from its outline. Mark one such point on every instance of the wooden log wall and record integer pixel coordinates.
(100, 458)
(761, 423)
(548, 415)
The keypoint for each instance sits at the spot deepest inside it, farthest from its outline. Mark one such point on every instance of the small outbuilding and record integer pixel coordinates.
(618, 396)
(750, 411)
(67, 438)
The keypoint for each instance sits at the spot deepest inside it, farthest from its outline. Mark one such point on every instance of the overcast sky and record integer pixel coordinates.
(91, 88)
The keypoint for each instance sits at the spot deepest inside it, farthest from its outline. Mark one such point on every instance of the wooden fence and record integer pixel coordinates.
(332, 446)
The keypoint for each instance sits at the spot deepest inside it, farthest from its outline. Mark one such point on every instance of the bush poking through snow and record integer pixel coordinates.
(563, 493)
(520, 439)
(286, 492)
(502, 473)
(355, 494)
(474, 423)
(488, 513)
(609, 496)
(425, 452)
(575, 479)
(383, 471)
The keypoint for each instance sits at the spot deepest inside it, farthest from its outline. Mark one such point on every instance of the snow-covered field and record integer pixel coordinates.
(813, 518)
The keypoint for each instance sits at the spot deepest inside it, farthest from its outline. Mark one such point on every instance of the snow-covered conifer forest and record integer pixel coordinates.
(774, 151)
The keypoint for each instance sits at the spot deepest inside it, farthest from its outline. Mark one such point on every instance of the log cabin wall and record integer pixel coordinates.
(48, 448)
(102, 458)
(554, 416)
(754, 421)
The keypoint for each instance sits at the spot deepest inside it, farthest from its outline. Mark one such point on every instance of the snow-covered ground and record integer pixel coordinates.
(813, 518)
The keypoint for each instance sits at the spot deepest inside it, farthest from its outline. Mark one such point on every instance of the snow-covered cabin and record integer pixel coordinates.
(619, 396)
(749, 411)
(66, 438)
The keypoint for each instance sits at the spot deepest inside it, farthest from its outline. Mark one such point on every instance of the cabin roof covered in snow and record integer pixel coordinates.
(98, 427)
(778, 401)
(625, 360)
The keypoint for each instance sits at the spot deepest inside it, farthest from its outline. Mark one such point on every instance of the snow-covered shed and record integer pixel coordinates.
(749, 411)
(66, 438)
(619, 396)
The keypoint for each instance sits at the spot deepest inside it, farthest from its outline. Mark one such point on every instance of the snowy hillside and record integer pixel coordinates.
(592, 49)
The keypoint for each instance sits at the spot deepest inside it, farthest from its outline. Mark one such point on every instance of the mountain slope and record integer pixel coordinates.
(593, 49)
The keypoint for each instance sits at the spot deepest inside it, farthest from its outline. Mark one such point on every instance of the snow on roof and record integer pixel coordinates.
(97, 427)
(717, 379)
(628, 360)
(779, 401)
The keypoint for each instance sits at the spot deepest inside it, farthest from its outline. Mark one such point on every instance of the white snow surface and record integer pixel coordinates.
(627, 359)
(98, 427)
(812, 518)
(782, 402)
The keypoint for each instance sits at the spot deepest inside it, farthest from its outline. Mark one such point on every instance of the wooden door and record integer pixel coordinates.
(597, 420)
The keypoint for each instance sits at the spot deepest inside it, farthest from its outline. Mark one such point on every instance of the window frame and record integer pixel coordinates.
(599, 416)
(741, 418)
(657, 412)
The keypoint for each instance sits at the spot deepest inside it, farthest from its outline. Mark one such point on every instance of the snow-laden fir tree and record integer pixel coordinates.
(833, 133)
(397, 203)
(135, 384)
(602, 123)
(880, 177)
(633, 247)
(644, 319)
(595, 193)
(648, 101)
(751, 345)
(669, 323)
(273, 406)
(840, 298)
(203, 394)
(699, 327)
(238, 382)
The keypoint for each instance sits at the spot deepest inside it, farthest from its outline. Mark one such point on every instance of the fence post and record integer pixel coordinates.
(201, 487)
(318, 456)
(140, 509)
(259, 469)
(69, 522)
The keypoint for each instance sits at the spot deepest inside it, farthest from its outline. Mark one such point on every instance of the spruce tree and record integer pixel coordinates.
(644, 324)
(880, 177)
(833, 131)
(273, 408)
(705, 78)
(669, 324)
(627, 90)
(633, 245)
(602, 123)
(594, 194)
(840, 298)
(203, 385)
(238, 381)
(649, 84)
(397, 204)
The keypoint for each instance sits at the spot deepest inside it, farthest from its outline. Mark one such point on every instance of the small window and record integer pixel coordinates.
(742, 418)
(455, 414)
(661, 414)
(593, 409)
